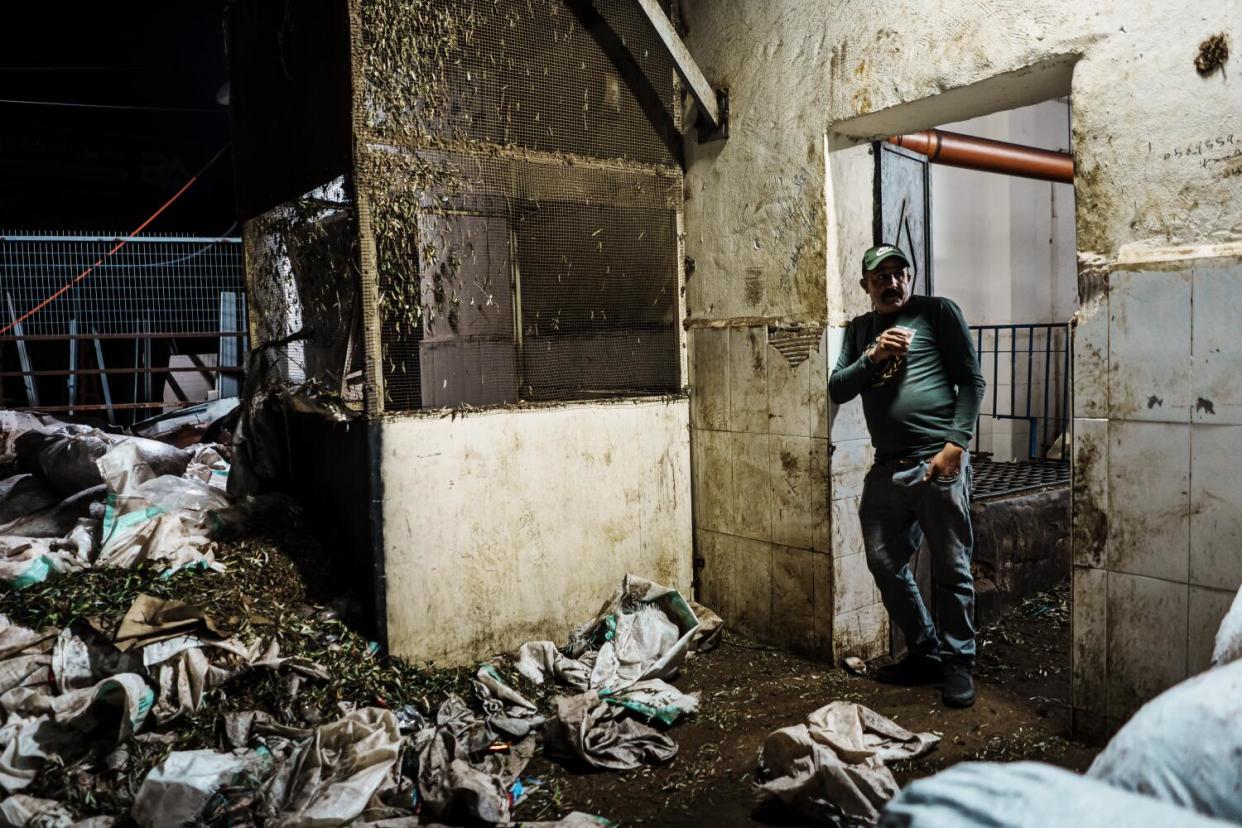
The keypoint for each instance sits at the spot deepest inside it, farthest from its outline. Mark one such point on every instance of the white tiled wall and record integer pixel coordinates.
(760, 449)
(1163, 475)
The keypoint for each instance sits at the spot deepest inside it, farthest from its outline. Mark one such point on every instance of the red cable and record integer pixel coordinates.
(19, 320)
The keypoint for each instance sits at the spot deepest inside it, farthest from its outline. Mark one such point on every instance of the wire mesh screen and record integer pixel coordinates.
(522, 163)
(156, 323)
(587, 78)
(172, 283)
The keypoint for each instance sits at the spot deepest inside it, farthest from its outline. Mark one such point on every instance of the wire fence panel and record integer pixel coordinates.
(1026, 367)
(155, 324)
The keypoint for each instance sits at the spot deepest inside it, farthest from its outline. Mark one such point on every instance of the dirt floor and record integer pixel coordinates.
(748, 691)
(282, 585)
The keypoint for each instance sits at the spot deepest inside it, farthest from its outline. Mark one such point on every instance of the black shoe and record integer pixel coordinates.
(912, 670)
(959, 687)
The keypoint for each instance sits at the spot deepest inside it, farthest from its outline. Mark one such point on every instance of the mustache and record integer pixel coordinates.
(891, 292)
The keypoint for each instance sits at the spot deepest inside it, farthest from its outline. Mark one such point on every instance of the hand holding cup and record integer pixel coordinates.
(893, 342)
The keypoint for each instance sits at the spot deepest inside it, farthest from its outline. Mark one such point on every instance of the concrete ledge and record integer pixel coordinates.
(1021, 548)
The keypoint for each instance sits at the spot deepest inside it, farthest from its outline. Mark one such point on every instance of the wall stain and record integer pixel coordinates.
(1154, 401)
(754, 287)
(1213, 53)
(1205, 406)
(789, 463)
(1090, 521)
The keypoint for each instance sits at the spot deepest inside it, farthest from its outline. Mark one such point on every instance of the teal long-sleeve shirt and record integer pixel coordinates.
(929, 398)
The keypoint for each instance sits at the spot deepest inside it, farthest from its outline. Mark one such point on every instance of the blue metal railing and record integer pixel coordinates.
(1035, 357)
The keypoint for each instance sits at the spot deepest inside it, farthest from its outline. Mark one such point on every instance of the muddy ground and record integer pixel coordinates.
(280, 584)
(749, 690)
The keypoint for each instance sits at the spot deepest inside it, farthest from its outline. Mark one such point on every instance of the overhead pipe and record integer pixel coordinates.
(968, 152)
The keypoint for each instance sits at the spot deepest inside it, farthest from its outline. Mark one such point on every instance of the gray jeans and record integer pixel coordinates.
(897, 510)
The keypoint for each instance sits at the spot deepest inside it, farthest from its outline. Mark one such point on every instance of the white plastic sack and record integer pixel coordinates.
(1027, 795)
(208, 465)
(653, 699)
(538, 659)
(59, 519)
(25, 658)
(163, 519)
(23, 494)
(132, 461)
(175, 791)
(644, 631)
(1184, 746)
(833, 768)
(14, 424)
(599, 734)
(1229, 636)
(330, 778)
(28, 561)
(40, 725)
(21, 811)
(64, 458)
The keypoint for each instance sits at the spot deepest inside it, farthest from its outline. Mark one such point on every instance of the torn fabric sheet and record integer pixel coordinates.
(833, 768)
(599, 734)
(332, 776)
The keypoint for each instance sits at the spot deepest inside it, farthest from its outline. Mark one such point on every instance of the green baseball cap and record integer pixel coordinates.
(877, 254)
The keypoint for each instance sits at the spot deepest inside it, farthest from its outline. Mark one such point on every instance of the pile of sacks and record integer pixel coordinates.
(89, 689)
(79, 497)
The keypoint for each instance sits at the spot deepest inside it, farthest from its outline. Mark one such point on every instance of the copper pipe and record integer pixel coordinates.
(971, 153)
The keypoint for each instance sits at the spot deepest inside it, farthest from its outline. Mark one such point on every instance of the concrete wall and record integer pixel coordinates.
(505, 526)
(1158, 150)
(1003, 249)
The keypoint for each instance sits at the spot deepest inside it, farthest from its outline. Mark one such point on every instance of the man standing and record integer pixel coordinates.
(912, 361)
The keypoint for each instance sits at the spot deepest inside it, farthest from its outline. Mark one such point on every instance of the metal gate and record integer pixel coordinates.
(156, 324)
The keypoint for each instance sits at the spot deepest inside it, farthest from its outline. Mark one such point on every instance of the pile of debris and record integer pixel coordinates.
(146, 671)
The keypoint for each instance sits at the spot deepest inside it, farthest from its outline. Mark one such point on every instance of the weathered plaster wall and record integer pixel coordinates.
(756, 231)
(1158, 149)
(505, 526)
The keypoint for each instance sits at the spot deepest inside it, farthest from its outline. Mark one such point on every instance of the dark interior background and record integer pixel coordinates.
(90, 168)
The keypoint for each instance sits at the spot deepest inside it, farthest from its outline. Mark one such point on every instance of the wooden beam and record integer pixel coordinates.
(702, 91)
